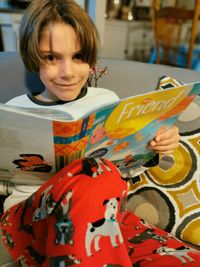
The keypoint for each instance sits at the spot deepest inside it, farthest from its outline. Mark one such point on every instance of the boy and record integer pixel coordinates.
(78, 216)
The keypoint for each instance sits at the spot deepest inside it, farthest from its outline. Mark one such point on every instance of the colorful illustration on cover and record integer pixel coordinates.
(121, 132)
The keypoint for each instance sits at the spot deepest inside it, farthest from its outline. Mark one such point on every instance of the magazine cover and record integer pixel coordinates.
(38, 142)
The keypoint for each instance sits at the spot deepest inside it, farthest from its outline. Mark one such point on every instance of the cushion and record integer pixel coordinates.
(168, 195)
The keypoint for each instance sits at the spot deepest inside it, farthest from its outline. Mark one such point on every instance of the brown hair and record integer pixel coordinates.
(40, 13)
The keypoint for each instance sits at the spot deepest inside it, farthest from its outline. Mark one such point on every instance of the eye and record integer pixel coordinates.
(78, 56)
(50, 57)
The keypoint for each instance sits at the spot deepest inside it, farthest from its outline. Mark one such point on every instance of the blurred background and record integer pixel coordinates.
(126, 27)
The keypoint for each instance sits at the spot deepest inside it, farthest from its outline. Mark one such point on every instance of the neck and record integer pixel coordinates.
(47, 96)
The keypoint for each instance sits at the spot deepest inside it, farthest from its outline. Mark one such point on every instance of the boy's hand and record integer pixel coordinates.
(165, 141)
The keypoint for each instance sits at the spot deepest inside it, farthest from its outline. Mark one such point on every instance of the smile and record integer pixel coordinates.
(66, 85)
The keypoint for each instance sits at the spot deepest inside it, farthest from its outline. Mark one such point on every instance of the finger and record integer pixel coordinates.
(163, 149)
(167, 134)
(166, 142)
(161, 130)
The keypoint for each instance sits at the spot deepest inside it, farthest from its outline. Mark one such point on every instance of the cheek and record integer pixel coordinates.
(86, 71)
(46, 74)
(43, 76)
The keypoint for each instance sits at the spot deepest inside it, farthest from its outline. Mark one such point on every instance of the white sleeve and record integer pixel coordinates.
(18, 194)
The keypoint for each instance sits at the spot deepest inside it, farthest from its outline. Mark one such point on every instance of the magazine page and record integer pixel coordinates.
(26, 148)
(45, 113)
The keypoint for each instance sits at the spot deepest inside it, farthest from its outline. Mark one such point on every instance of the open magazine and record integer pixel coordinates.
(36, 143)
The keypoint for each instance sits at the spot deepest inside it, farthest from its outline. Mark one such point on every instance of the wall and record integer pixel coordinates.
(96, 10)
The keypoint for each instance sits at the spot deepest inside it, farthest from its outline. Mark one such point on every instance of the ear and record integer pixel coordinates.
(105, 202)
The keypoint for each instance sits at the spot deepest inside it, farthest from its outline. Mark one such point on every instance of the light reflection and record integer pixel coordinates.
(116, 2)
(130, 16)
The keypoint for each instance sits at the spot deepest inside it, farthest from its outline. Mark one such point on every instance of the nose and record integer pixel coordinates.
(66, 69)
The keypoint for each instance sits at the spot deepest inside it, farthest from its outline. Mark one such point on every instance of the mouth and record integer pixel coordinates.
(71, 85)
(112, 217)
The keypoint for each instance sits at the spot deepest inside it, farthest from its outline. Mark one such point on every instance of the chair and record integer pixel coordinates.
(168, 23)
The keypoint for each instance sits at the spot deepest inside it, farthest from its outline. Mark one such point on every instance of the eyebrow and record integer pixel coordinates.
(58, 53)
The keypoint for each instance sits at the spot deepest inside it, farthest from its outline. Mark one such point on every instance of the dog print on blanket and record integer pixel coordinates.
(181, 253)
(107, 226)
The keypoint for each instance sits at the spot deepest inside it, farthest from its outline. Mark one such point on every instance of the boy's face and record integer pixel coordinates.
(64, 73)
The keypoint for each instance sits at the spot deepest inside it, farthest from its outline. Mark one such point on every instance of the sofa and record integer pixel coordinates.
(167, 195)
